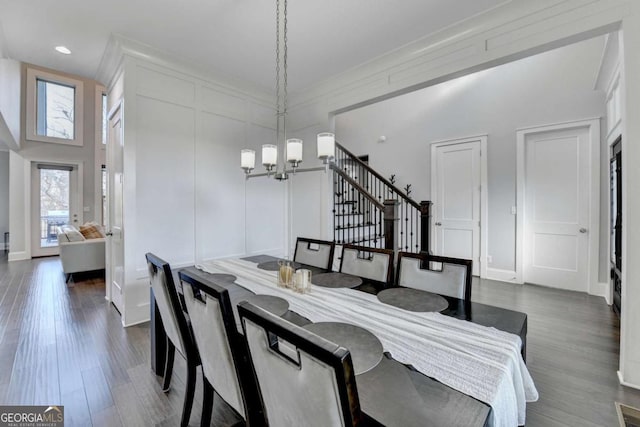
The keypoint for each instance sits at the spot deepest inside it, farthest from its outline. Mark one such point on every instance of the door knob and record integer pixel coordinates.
(583, 230)
(108, 233)
(438, 223)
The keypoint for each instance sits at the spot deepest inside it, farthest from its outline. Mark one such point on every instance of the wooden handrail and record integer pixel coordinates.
(357, 186)
(377, 175)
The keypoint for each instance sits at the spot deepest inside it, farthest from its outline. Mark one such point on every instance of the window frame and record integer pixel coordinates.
(100, 154)
(33, 75)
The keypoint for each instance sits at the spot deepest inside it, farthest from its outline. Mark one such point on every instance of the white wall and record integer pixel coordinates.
(186, 198)
(629, 332)
(4, 195)
(10, 84)
(42, 151)
(609, 82)
(551, 87)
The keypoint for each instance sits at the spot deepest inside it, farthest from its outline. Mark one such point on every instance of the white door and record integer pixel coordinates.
(54, 202)
(456, 178)
(115, 223)
(556, 208)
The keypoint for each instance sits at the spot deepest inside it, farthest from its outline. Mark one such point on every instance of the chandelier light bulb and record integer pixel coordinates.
(326, 146)
(247, 160)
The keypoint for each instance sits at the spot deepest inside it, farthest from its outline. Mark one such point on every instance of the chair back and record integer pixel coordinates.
(168, 302)
(219, 343)
(452, 279)
(368, 263)
(303, 379)
(318, 253)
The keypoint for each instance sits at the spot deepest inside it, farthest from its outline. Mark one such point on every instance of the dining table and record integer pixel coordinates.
(391, 392)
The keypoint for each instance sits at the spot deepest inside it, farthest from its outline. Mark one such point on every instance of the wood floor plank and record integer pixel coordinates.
(97, 390)
(76, 409)
(108, 417)
(132, 412)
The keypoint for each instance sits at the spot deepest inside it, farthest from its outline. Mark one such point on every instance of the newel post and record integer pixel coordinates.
(391, 220)
(425, 226)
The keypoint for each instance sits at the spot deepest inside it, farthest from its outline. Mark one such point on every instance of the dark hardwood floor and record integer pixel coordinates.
(64, 344)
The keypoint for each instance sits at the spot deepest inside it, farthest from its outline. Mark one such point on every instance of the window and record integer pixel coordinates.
(104, 118)
(104, 178)
(54, 108)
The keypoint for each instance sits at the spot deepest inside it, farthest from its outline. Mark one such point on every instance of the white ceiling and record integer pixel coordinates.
(235, 38)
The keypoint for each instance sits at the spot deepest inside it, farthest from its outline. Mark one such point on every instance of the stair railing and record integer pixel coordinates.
(369, 210)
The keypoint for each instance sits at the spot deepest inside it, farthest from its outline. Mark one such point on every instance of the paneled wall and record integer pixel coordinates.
(186, 198)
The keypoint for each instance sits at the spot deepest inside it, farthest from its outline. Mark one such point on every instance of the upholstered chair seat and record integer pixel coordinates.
(304, 380)
(317, 253)
(222, 350)
(440, 275)
(368, 263)
(177, 328)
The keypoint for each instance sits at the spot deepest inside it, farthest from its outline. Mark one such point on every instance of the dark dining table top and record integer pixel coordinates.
(395, 394)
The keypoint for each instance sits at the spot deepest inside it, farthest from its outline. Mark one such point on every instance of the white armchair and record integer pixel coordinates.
(79, 254)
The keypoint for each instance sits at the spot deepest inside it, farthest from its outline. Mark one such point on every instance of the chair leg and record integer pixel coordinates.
(168, 367)
(207, 403)
(189, 392)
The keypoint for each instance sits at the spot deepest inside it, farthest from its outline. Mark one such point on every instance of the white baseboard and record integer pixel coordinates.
(140, 314)
(601, 289)
(501, 275)
(626, 384)
(19, 256)
(277, 252)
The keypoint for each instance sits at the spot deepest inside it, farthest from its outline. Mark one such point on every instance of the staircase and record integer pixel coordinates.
(369, 210)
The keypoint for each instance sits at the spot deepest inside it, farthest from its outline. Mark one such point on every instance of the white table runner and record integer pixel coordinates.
(482, 362)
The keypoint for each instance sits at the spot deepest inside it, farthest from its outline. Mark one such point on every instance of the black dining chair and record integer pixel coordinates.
(177, 328)
(304, 380)
(437, 274)
(372, 264)
(314, 252)
(225, 365)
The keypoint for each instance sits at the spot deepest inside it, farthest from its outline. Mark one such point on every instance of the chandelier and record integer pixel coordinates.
(292, 148)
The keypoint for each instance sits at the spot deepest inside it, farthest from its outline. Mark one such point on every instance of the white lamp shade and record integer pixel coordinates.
(326, 145)
(269, 155)
(247, 159)
(294, 150)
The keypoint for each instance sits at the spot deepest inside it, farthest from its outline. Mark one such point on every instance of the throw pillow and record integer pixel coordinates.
(74, 235)
(91, 231)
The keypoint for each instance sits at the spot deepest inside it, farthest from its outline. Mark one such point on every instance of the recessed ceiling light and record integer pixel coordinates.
(63, 49)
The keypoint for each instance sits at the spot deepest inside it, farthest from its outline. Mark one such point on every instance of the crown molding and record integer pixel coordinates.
(119, 47)
(511, 31)
(609, 64)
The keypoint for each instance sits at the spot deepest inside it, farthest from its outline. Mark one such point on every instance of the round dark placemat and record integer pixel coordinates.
(226, 278)
(365, 348)
(336, 280)
(274, 266)
(272, 304)
(413, 299)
